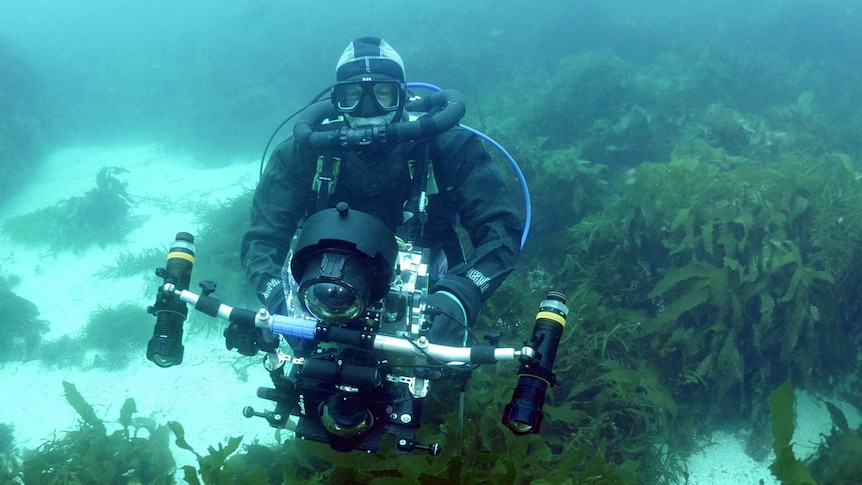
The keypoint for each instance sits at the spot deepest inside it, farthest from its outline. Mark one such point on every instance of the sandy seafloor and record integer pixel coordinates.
(204, 394)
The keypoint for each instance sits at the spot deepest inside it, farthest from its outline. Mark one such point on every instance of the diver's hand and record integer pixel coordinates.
(248, 339)
(447, 318)
(242, 338)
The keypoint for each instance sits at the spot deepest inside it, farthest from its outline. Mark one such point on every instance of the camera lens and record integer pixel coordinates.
(332, 301)
(343, 417)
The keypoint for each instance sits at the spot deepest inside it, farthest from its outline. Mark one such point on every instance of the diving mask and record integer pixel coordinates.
(367, 98)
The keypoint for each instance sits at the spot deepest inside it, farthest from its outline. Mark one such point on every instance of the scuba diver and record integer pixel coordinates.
(417, 171)
(359, 218)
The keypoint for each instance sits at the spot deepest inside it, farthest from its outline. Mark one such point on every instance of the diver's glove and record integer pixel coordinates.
(452, 308)
(447, 317)
(248, 340)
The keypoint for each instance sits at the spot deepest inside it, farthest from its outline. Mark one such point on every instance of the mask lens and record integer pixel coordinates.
(347, 96)
(386, 95)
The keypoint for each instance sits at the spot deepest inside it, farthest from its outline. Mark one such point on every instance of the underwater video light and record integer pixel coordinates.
(523, 414)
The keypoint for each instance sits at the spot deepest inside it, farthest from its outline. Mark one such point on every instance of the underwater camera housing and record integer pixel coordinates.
(356, 318)
(348, 273)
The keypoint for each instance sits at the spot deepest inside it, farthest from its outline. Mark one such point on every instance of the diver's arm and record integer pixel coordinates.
(488, 214)
(278, 204)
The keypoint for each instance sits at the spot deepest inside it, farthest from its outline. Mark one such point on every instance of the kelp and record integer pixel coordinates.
(128, 263)
(113, 332)
(838, 458)
(492, 455)
(20, 324)
(221, 226)
(109, 336)
(99, 216)
(213, 467)
(729, 273)
(9, 461)
(786, 466)
(138, 452)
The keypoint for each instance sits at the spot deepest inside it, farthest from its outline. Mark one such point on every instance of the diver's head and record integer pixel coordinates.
(370, 84)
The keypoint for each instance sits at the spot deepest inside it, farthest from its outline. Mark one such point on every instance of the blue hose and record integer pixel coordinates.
(527, 205)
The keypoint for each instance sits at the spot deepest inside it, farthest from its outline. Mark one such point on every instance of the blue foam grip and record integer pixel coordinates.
(293, 327)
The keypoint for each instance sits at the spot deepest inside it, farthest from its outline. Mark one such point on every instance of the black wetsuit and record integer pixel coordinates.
(470, 192)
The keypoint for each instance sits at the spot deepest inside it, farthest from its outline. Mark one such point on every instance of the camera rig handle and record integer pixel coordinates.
(523, 415)
(312, 329)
